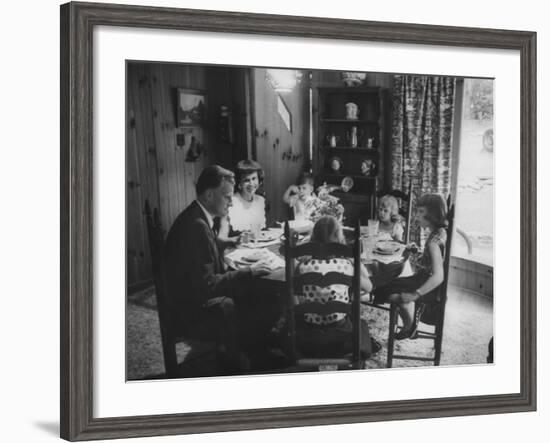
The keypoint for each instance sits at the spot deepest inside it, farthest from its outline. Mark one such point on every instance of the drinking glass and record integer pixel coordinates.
(255, 230)
(246, 237)
(372, 227)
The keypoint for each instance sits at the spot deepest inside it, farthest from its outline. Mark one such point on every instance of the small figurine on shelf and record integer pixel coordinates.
(333, 140)
(368, 167)
(353, 137)
(336, 165)
(370, 143)
(351, 79)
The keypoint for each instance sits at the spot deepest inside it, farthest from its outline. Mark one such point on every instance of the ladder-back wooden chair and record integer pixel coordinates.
(171, 332)
(435, 308)
(301, 358)
(405, 207)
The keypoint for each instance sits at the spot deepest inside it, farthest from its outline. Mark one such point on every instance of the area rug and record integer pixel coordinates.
(468, 329)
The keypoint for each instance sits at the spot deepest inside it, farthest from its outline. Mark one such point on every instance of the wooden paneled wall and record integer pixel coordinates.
(273, 140)
(471, 275)
(157, 169)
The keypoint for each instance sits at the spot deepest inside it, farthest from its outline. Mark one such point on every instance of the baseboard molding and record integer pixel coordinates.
(473, 276)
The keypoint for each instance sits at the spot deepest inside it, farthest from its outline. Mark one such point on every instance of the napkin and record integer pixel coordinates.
(235, 258)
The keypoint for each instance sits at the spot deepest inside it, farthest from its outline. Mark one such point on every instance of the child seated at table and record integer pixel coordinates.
(301, 197)
(331, 331)
(389, 219)
(411, 292)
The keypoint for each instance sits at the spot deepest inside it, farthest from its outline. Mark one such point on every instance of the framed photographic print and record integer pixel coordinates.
(174, 283)
(191, 107)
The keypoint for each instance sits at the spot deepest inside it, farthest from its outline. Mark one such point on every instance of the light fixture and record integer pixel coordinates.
(283, 80)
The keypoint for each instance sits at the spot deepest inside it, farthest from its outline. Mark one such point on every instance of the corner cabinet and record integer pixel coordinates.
(350, 138)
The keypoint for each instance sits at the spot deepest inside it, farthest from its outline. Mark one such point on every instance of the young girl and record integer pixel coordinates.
(406, 291)
(301, 197)
(329, 333)
(390, 220)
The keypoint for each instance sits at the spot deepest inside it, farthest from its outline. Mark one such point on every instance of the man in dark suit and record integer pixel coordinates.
(209, 299)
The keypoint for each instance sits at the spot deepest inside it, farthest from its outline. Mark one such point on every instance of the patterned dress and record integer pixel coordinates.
(338, 292)
(423, 269)
(328, 335)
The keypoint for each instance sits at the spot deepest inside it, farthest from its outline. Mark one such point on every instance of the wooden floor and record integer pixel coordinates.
(468, 329)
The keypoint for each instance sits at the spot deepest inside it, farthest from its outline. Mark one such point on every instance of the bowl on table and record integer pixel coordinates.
(387, 247)
(267, 236)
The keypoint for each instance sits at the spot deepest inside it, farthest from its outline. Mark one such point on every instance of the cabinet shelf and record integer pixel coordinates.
(350, 90)
(362, 177)
(359, 149)
(330, 122)
(345, 120)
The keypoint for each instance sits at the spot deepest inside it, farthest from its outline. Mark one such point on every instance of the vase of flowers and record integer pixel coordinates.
(326, 204)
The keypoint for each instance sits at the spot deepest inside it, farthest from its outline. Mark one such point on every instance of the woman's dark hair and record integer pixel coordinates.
(436, 209)
(212, 176)
(325, 229)
(246, 167)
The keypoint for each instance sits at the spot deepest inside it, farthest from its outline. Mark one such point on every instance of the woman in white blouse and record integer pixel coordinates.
(248, 210)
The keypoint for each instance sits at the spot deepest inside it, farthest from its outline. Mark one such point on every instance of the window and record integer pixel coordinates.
(475, 192)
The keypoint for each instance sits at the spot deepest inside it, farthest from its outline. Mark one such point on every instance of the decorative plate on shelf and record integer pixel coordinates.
(336, 164)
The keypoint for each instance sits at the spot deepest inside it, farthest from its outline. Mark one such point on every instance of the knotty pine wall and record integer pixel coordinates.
(281, 153)
(156, 166)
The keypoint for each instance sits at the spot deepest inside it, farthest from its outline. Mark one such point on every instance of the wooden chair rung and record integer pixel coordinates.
(313, 362)
(376, 306)
(426, 335)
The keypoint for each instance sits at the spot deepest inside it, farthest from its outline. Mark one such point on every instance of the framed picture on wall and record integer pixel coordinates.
(191, 107)
(103, 161)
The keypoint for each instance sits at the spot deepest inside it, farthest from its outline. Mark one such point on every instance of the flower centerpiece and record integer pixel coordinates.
(326, 204)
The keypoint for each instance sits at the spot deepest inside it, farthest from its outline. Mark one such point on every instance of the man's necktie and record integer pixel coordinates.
(216, 226)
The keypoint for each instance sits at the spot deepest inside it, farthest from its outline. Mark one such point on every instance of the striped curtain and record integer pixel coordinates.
(422, 124)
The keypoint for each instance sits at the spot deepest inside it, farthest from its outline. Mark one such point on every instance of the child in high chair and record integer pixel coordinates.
(390, 220)
(301, 197)
(420, 287)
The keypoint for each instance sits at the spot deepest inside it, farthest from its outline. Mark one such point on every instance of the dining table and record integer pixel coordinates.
(377, 252)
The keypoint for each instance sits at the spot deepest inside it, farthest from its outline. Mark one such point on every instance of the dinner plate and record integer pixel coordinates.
(254, 256)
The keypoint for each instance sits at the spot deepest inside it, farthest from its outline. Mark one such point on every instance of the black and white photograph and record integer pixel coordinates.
(191, 107)
(306, 220)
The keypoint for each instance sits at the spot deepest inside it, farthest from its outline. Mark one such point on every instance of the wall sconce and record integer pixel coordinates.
(283, 80)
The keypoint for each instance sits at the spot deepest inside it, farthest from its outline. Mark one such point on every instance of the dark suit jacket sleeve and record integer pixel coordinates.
(213, 282)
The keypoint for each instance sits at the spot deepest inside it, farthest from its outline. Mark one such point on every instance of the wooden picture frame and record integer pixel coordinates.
(77, 23)
(191, 107)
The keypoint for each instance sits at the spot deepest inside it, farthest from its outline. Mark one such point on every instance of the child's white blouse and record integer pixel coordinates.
(245, 215)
